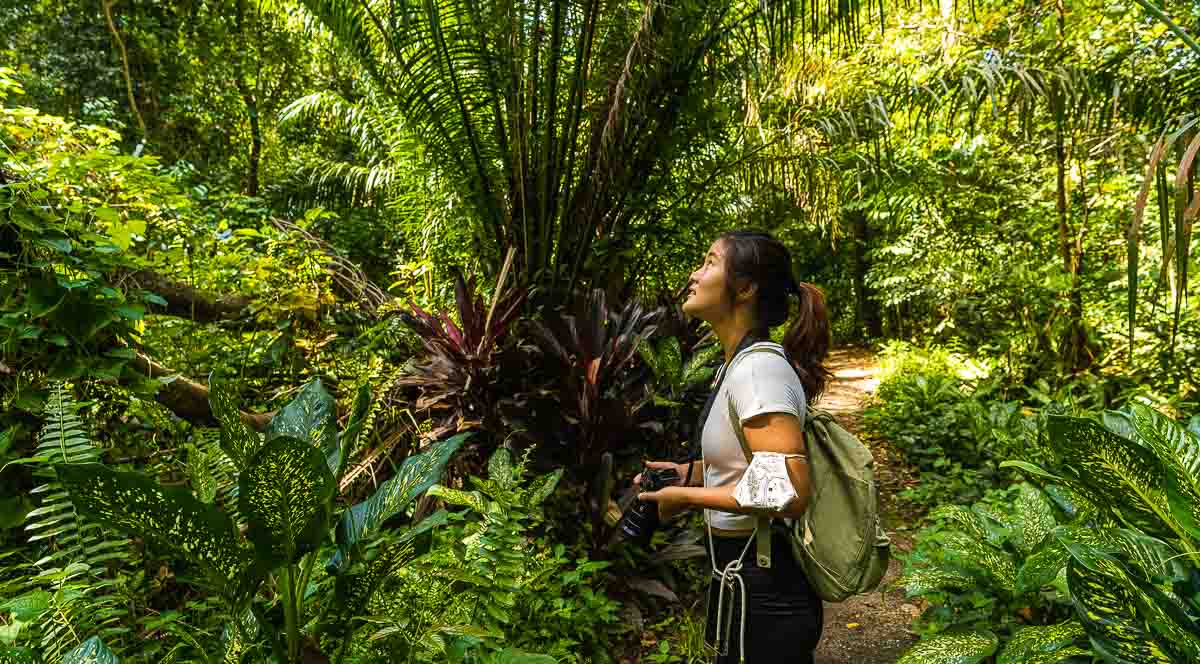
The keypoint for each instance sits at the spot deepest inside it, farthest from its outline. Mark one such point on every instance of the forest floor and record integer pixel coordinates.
(872, 628)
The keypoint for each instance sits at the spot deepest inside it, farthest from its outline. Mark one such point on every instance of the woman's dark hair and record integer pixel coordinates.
(761, 259)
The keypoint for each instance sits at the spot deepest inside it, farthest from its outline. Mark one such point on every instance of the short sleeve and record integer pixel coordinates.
(765, 382)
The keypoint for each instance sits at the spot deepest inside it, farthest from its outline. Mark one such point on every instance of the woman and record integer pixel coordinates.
(744, 289)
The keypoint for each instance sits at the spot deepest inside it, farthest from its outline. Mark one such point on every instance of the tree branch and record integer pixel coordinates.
(187, 398)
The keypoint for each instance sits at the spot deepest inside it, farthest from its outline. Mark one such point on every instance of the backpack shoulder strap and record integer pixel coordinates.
(762, 526)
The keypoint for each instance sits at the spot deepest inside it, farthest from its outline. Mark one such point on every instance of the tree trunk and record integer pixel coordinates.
(867, 319)
(1074, 350)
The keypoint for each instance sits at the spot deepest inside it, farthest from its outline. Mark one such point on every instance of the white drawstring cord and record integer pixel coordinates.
(726, 576)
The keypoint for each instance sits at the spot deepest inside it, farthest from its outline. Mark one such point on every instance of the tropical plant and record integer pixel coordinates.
(287, 481)
(995, 567)
(459, 382)
(1133, 547)
(677, 391)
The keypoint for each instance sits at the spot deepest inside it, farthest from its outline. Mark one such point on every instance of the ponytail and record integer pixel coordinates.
(807, 340)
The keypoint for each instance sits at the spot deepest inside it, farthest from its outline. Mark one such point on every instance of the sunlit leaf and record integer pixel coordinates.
(500, 468)
(540, 489)
(952, 648)
(1034, 519)
(1045, 644)
(285, 495)
(990, 562)
(473, 499)
(416, 475)
(1042, 566)
(1179, 449)
(973, 523)
(1107, 609)
(311, 417)
(238, 440)
(931, 579)
(10, 655)
(354, 429)
(171, 517)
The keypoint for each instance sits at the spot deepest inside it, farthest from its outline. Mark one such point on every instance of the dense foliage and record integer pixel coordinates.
(224, 225)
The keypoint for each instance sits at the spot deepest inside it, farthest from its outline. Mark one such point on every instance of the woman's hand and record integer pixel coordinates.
(671, 501)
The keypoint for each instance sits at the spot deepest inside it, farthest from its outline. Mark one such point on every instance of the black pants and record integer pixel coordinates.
(783, 613)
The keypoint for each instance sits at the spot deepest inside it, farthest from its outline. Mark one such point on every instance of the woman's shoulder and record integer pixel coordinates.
(762, 362)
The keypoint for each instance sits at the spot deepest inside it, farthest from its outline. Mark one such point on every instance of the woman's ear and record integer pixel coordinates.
(747, 290)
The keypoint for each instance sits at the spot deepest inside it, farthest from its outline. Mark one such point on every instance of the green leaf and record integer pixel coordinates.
(971, 522)
(500, 468)
(27, 607)
(18, 656)
(311, 416)
(541, 488)
(122, 234)
(1179, 449)
(416, 475)
(238, 440)
(352, 591)
(988, 562)
(170, 517)
(1032, 471)
(1034, 519)
(238, 640)
(1042, 567)
(952, 648)
(1046, 644)
(473, 499)
(286, 495)
(1115, 473)
(933, 579)
(61, 245)
(92, 651)
(1120, 423)
(1107, 610)
(354, 429)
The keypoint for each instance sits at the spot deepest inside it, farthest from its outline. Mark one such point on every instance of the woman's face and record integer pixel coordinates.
(706, 295)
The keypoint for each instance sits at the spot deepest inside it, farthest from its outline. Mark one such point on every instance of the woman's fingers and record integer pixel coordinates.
(656, 465)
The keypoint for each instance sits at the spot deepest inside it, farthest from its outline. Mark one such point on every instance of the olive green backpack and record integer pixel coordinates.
(839, 542)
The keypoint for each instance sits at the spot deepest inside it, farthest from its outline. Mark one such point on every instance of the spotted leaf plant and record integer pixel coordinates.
(287, 484)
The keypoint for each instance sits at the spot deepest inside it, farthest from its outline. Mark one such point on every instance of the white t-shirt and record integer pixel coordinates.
(759, 381)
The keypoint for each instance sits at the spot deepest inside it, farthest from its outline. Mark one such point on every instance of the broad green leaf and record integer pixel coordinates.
(416, 475)
(27, 607)
(1120, 423)
(18, 656)
(286, 495)
(971, 522)
(978, 557)
(500, 468)
(933, 579)
(1107, 609)
(352, 591)
(171, 517)
(311, 416)
(1033, 472)
(1114, 473)
(952, 648)
(473, 499)
(1042, 567)
(1073, 505)
(237, 640)
(354, 429)
(1157, 560)
(1179, 449)
(541, 488)
(1046, 644)
(92, 651)
(238, 440)
(1034, 519)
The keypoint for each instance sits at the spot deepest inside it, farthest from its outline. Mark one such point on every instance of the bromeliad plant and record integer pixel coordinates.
(1133, 553)
(287, 483)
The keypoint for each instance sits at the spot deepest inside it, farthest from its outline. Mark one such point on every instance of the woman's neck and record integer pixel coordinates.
(730, 332)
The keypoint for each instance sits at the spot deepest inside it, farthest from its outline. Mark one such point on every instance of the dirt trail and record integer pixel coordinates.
(873, 628)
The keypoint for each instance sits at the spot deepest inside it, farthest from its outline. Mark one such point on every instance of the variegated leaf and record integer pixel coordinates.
(1114, 472)
(540, 488)
(1179, 449)
(1042, 567)
(990, 563)
(352, 591)
(952, 648)
(1044, 643)
(1034, 519)
(1120, 423)
(973, 523)
(500, 468)
(311, 417)
(171, 517)
(354, 428)
(473, 499)
(92, 651)
(237, 640)
(933, 579)
(9, 655)
(238, 440)
(416, 475)
(1107, 608)
(1072, 504)
(1157, 561)
(286, 496)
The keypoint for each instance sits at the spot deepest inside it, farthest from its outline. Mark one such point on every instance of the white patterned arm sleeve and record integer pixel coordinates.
(766, 485)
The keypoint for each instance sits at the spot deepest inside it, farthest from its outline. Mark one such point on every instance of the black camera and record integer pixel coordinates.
(640, 519)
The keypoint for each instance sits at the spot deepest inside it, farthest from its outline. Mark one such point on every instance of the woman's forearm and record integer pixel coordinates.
(721, 498)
